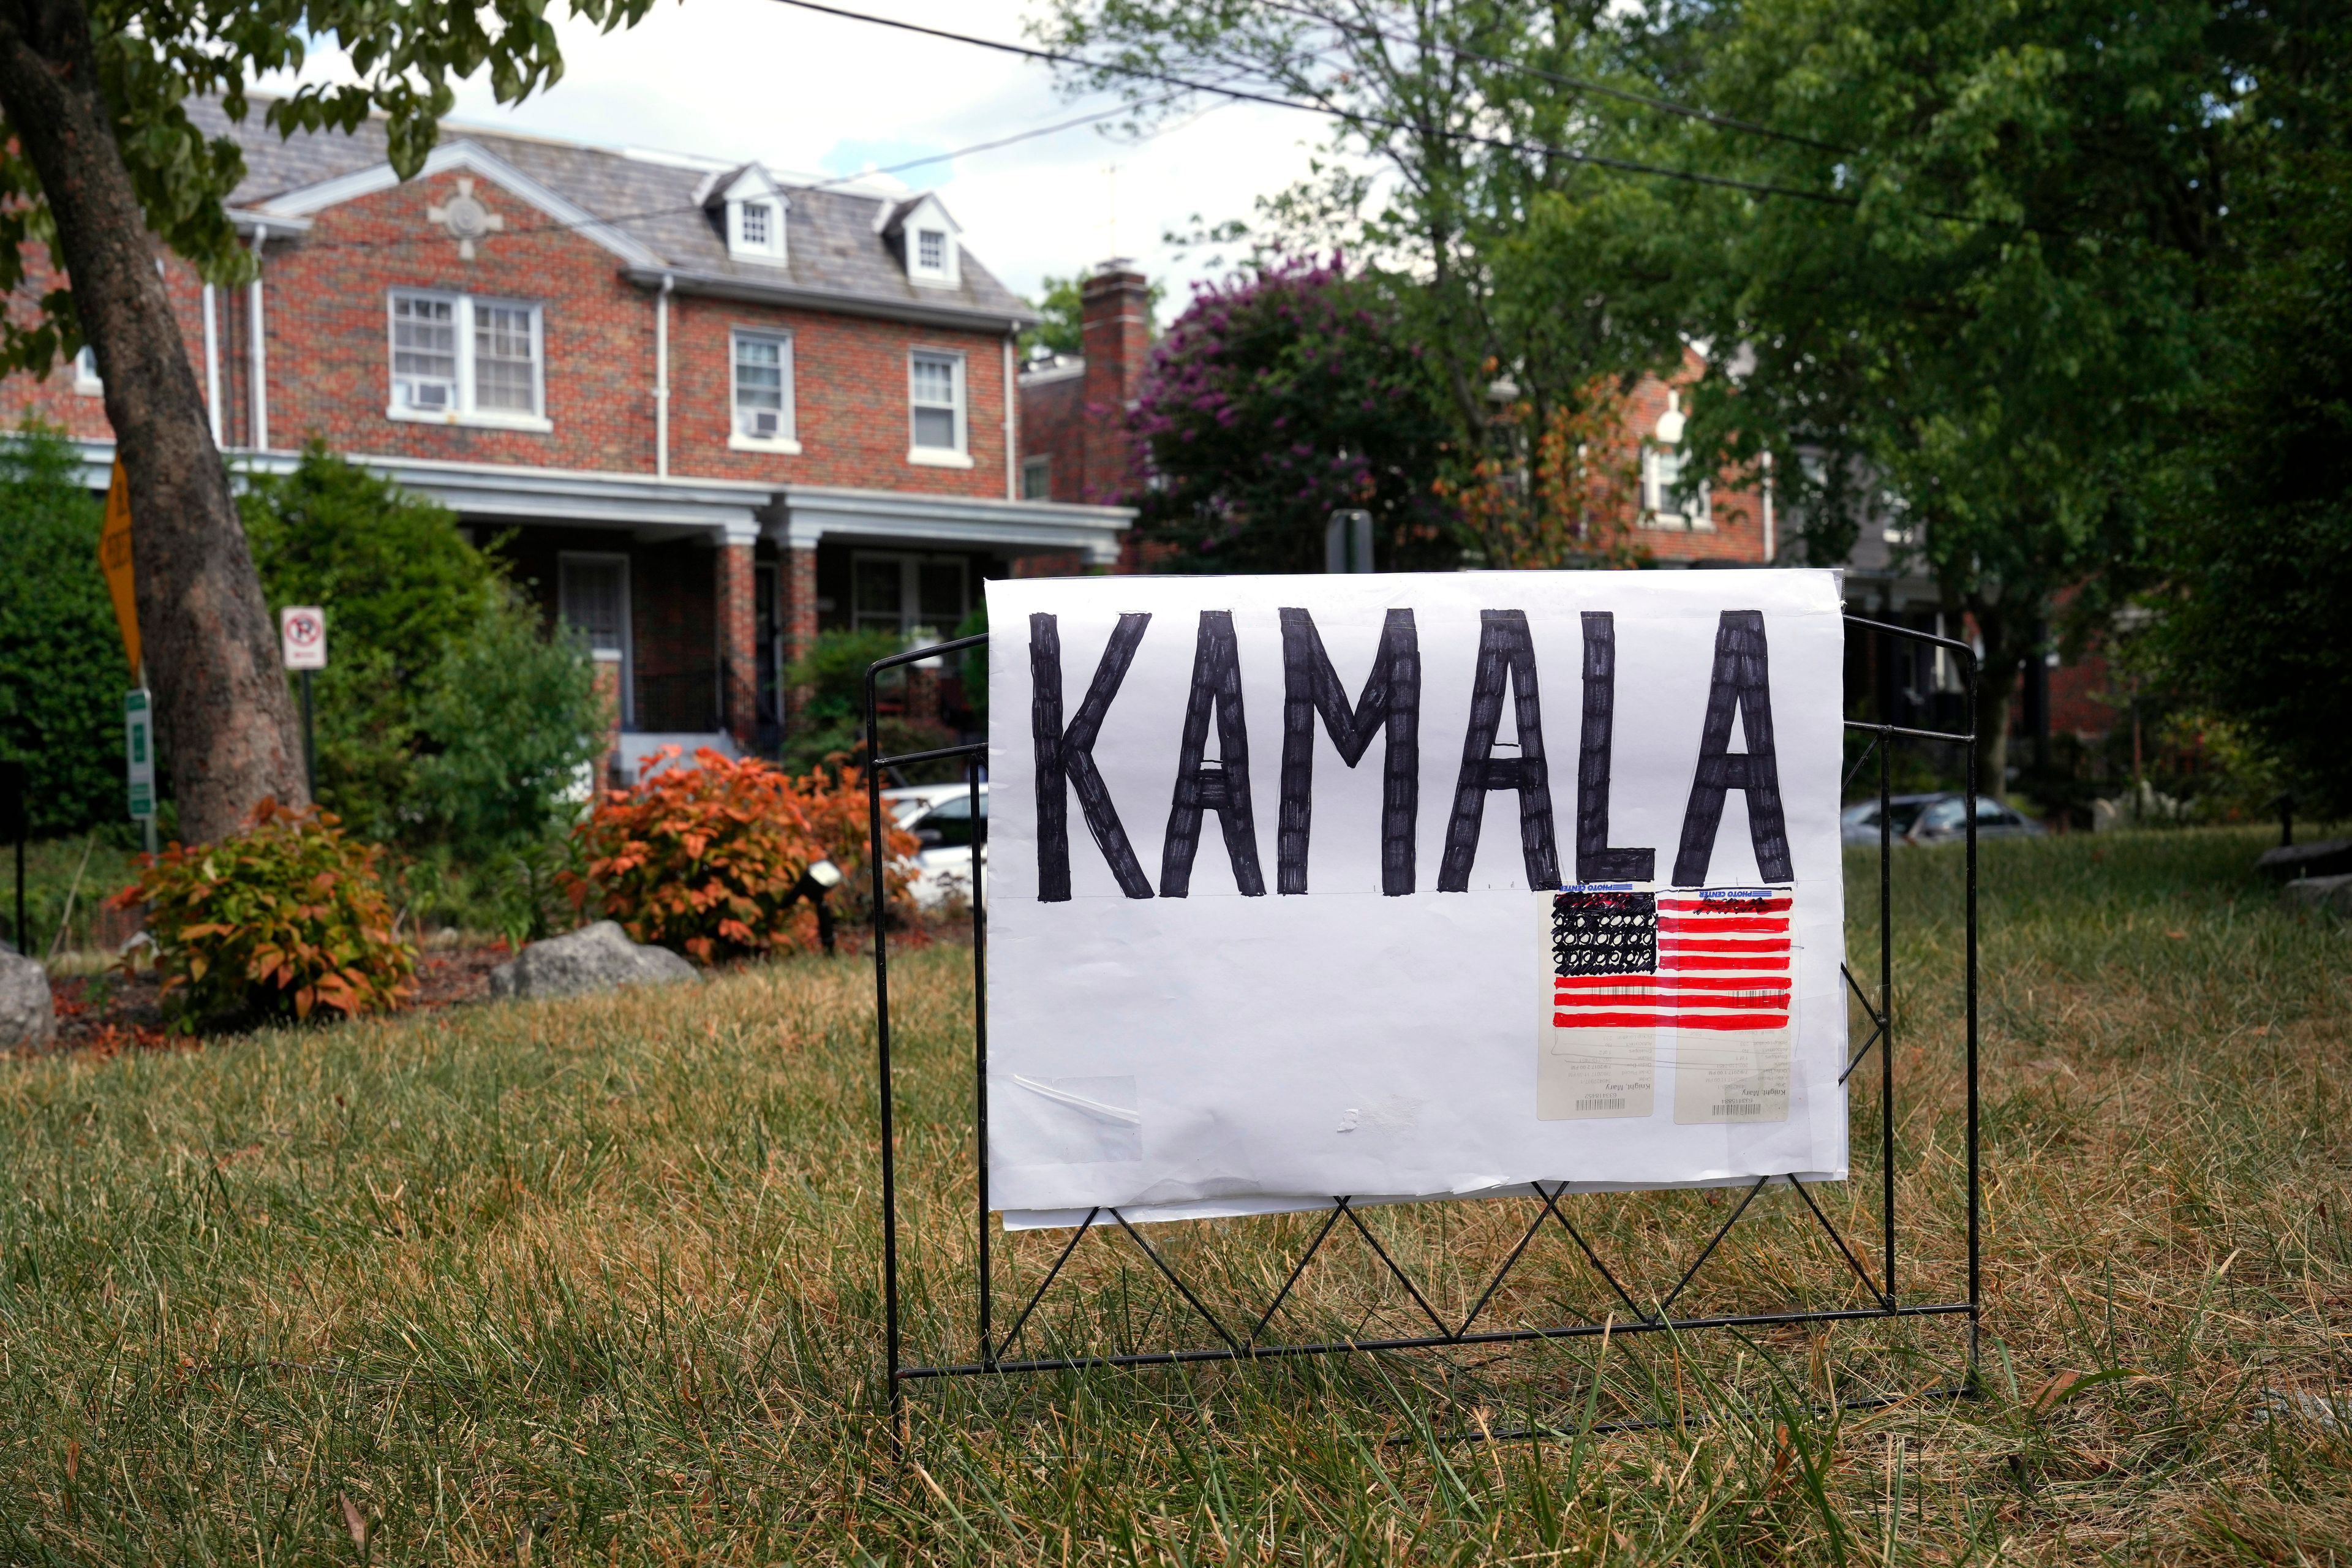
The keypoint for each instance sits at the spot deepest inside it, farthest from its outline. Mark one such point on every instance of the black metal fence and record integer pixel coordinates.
(994, 1355)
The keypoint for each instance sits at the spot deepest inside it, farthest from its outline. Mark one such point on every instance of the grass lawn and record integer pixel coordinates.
(597, 1282)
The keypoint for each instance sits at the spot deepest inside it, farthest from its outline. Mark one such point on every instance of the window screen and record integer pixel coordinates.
(595, 602)
(505, 359)
(761, 408)
(423, 352)
(935, 397)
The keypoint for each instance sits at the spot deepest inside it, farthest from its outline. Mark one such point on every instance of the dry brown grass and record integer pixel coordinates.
(596, 1281)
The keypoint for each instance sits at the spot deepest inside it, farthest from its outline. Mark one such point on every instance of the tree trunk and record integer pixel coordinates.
(2005, 636)
(226, 724)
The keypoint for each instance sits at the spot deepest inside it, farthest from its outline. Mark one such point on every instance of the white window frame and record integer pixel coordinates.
(959, 455)
(930, 217)
(628, 619)
(466, 412)
(1042, 466)
(786, 441)
(773, 249)
(86, 382)
(745, 214)
(1696, 515)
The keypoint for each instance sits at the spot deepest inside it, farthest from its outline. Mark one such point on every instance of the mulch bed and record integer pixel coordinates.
(116, 1012)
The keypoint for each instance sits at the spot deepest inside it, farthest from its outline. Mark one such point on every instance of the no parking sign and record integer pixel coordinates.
(302, 634)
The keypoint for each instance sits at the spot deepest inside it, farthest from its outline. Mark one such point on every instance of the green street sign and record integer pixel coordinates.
(139, 752)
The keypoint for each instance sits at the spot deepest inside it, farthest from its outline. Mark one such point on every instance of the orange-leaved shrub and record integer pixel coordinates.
(705, 859)
(287, 916)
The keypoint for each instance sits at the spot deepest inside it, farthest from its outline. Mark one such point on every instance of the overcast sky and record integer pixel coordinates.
(804, 93)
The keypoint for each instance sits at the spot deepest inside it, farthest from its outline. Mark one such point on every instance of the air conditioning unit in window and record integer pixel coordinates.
(766, 422)
(429, 395)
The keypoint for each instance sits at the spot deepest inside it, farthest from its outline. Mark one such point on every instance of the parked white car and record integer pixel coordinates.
(1945, 820)
(1934, 819)
(939, 816)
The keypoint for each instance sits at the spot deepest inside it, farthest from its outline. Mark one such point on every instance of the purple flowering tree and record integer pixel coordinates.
(1278, 397)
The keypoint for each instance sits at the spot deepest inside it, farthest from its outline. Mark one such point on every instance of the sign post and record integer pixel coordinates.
(302, 635)
(138, 751)
(1348, 541)
(13, 820)
(114, 560)
(138, 707)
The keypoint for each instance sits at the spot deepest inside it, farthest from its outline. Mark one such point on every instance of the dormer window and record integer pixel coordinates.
(756, 229)
(924, 237)
(752, 208)
(755, 221)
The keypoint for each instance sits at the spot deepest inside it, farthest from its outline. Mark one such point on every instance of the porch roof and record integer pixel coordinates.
(739, 511)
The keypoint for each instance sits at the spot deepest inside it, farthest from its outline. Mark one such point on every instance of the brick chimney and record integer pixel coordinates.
(1115, 311)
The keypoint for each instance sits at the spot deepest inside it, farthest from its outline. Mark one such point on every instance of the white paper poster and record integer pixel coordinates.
(1411, 887)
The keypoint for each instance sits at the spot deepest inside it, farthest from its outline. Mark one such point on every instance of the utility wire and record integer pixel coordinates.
(1385, 122)
(1721, 122)
(650, 212)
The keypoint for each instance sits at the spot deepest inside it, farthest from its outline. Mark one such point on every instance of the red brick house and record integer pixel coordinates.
(1075, 445)
(710, 410)
(1729, 521)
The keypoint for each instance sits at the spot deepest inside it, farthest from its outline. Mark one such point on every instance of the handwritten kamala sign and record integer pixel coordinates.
(1411, 887)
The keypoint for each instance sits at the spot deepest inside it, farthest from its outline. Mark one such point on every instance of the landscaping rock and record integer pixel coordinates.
(28, 1021)
(2324, 857)
(2331, 893)
(595, 958)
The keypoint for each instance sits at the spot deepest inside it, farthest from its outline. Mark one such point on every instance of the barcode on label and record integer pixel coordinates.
(1736, 1108)
(1602, 1102)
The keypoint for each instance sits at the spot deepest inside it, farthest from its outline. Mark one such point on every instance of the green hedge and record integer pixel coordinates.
(62, 669)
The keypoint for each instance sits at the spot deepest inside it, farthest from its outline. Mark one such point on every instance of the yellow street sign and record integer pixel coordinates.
(114, 557)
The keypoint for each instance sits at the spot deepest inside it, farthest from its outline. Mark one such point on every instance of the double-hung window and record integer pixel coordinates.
(764, 391)
(935, 396)
(1661, 477)
(462, 360)
(424, 353)
(592, 598)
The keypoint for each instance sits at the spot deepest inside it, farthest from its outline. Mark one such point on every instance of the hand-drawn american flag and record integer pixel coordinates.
(1712, 958)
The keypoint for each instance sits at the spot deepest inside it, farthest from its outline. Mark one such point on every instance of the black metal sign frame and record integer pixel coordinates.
(994, 1355)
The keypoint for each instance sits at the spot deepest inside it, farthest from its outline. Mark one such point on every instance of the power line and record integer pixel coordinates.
(650, 212)
(1721, 122)
(1386, 122)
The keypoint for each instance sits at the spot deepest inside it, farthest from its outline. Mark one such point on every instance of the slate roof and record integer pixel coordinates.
(834, 251)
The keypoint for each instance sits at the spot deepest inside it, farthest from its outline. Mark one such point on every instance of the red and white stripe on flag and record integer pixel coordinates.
(1723, 963)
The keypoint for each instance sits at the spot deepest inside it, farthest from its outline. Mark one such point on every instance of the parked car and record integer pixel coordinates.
(939, 816)
(1945, 820)
(1859, 824)
(1934, 819)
